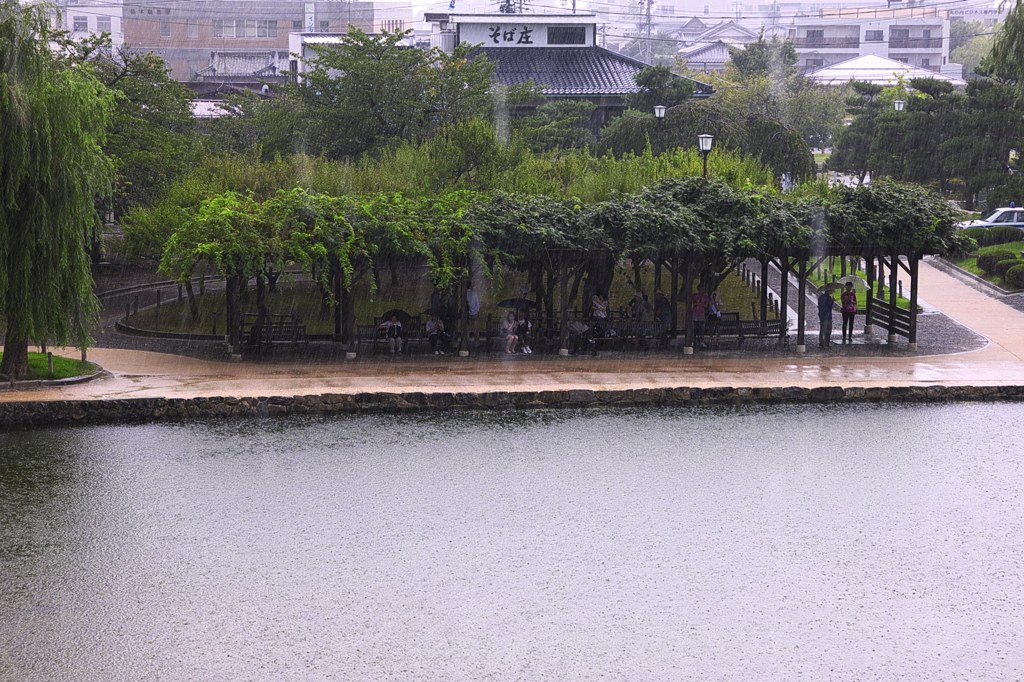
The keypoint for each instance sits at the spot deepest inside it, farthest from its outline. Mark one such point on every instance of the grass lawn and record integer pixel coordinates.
(63, 368)
(835, 271)
(969, 263)
(411, 293)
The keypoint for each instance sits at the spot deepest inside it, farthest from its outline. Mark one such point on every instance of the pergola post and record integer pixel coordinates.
(563, 305)
(784, 299)
(801, 305)
(463, 316)
(914, 259)
(688, 308)
(675, 295)
(764, 293)
(869, 298)
(893, 275)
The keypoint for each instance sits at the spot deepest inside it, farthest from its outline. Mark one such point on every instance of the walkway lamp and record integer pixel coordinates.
(704, 141)
(659, 112)
(899, 104)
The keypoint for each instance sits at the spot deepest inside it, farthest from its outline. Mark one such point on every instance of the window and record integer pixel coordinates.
(707, 10)
(223, 28)
(324, 27)
(192, 29)
(267, 28)
(393, 25)
(103, 25)
(567, 35)
(296, 25)
(815, 63)
(165, 28)
(926, 62)
(250, 28)
(873, 36)
(815, 36)
(80, 23)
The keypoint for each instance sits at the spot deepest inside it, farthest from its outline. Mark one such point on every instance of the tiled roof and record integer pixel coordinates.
(874, 69)
(711, 53)
(565, 71)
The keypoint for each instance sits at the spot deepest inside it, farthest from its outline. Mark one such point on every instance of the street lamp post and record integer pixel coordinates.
(704, 141)
(899, 104)
(659, 112)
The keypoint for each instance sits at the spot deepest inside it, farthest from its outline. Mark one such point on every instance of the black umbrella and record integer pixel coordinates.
(516, 303)
(402, 316)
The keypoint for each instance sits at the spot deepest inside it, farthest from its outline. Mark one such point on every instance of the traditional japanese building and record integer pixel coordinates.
(557, 52)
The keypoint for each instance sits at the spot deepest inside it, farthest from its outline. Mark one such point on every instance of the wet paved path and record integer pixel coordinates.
(999, 362)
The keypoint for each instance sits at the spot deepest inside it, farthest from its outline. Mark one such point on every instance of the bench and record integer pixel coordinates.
(641, 333)
(727, 326)
(275, 330)
(756, 329)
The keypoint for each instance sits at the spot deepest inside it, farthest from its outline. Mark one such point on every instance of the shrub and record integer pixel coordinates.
(1004, 235)
(990, 236)
(987, 261)
(1002, 266)
(1014, 277)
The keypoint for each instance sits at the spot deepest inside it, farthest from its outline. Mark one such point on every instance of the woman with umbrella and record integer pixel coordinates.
(848, 304)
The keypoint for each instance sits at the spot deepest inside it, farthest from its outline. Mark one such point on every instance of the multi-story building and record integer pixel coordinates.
(84, 18)
(916, 36)
(233, 39)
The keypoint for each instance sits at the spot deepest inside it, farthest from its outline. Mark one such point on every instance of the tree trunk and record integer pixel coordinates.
(193, 304)
(235, 286)
(348, 317)
(15, 363)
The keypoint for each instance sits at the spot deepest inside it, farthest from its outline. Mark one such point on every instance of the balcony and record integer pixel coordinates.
(915, 43)
(815, 42)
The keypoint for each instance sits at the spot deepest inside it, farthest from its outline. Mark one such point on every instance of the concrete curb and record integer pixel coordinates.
(38, 414)
(956, 271)
(55, 383)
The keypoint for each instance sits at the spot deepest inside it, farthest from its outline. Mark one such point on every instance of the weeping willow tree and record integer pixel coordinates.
(52, 123)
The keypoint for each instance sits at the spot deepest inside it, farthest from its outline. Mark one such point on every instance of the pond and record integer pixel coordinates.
(844, 542)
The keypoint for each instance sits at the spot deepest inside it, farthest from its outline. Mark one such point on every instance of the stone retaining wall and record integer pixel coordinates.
(135, 410)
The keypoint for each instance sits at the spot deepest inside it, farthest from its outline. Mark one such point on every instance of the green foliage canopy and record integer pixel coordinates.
(53, 118)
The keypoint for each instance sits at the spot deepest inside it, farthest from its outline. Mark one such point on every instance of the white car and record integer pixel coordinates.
(1005, 216)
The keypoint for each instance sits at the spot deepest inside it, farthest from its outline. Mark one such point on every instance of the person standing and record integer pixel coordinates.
(714, 316)
(599, 314)
(700, 301)
(826, 304)
(848, 303)
(473, 308)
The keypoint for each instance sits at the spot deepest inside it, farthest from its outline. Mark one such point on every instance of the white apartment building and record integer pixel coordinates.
(915, 36)
(91, 17)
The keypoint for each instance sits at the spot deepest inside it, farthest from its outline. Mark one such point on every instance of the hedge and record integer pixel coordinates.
(987, 261)
(1014, 277)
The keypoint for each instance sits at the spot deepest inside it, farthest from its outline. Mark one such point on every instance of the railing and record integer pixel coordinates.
(852, 43)
(915, 43)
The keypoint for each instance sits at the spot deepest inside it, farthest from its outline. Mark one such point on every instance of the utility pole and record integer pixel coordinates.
(647, 50)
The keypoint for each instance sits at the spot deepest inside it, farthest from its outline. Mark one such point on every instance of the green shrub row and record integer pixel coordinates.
(1014, 277)
(990, 236)
(987, 261)
(1004, 265)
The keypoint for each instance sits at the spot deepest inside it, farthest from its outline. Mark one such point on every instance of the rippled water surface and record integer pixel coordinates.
(756, 543)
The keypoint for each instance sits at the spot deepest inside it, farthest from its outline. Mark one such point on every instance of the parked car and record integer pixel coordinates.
(1001, 217)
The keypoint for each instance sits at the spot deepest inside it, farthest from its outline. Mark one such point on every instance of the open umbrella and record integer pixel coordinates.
(402, 316)
(831, 287)
(516, 303)
(858, 282)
